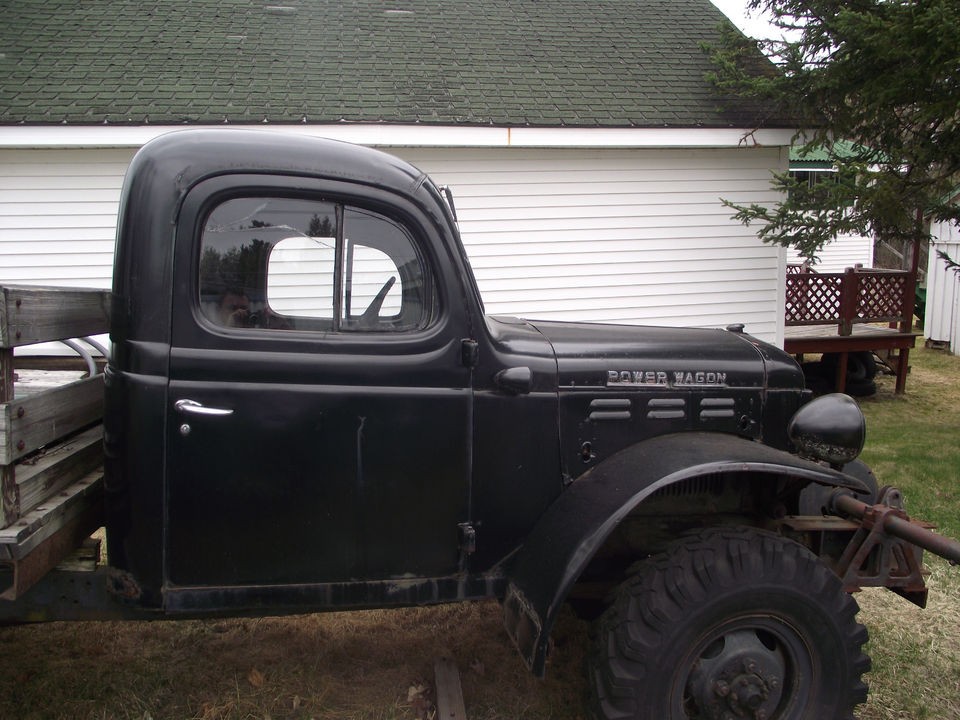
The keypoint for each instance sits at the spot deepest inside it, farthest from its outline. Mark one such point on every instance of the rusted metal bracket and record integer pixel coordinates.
(874, 558)
(887, 549)
(913, 531)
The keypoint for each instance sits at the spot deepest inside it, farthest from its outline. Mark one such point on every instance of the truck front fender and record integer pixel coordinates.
(578, 523)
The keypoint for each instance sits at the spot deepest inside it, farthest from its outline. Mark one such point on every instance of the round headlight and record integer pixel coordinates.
(830, 428)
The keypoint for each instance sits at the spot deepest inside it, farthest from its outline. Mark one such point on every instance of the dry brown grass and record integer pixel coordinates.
(361, 665)
(344, 666)
(916, 653)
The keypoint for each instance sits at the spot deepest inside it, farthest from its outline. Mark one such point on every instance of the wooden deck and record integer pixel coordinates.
(890, 342)
(854, 311)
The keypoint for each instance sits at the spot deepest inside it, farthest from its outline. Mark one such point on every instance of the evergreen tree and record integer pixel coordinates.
(883, 75)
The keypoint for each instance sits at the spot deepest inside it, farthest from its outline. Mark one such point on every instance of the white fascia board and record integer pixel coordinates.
(87, 136)
(648, 137)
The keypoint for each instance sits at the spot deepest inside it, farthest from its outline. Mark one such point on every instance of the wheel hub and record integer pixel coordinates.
(747, 695)
(737, 676)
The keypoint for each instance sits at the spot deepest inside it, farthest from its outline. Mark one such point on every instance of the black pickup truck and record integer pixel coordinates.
(306, 408)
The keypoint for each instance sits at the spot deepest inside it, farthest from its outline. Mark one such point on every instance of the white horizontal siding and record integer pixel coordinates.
(846, 251)
(942, 312)
(625, 236)
(608, 235)
(58, 214)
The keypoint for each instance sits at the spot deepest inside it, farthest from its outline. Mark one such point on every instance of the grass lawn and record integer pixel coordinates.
(913, 442)
(372, 665)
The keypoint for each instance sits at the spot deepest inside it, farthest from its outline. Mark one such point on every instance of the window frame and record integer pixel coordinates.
(432, 285)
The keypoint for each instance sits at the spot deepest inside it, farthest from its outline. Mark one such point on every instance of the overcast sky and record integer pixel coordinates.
(754, 26)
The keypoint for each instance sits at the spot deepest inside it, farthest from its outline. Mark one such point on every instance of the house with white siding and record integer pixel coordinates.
(942, 312)
(846, 251)
(586, 150)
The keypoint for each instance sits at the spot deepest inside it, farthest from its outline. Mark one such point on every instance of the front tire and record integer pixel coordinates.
(730, 623)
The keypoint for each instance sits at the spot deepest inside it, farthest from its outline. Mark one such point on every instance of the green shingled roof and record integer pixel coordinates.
(821, 157)
(603, 63)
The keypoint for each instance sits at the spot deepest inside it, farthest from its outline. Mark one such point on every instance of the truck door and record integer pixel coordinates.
(319, 412)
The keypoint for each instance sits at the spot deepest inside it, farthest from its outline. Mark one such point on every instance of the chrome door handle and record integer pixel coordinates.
(192, 407)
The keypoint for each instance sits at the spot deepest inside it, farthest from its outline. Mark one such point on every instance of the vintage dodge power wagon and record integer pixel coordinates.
(306, 408)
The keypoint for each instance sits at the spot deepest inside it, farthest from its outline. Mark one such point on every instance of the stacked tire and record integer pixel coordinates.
(860, 378)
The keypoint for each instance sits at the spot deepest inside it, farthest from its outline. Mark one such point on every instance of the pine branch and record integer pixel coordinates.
(879, 75)
(951, 264)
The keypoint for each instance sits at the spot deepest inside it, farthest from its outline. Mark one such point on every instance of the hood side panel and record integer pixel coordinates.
(619, 385)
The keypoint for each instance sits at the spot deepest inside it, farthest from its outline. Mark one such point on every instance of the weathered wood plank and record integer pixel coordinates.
(9, 503)
(31, 382)
(877, 332)
(38, 420)
(31, 315)
(6, 375)
(449, 693)
(36, 526)
(47, 554)
(85, 558)
(59, 467)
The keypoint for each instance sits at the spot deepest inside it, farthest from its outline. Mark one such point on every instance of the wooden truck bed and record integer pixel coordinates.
(51, 453)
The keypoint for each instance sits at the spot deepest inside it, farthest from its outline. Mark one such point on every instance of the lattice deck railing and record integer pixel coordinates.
(854, 296)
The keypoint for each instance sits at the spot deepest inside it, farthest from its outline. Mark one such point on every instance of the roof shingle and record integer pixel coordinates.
(604, 63)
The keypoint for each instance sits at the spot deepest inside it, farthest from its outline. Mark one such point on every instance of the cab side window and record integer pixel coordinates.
(296, 264)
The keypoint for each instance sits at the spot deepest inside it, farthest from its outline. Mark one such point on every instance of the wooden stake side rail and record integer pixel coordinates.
(31, 315)
(34, 422)
(50, 439)
(58, 467)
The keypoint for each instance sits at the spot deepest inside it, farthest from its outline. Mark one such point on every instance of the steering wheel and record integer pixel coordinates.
(370, 316)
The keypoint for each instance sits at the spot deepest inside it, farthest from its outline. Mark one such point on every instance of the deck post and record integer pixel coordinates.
(903, 367)
(840, 382)
(849, 298)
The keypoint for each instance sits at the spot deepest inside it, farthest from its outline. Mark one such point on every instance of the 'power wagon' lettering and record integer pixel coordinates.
(662, 378)
(636, 377)
(699, 378)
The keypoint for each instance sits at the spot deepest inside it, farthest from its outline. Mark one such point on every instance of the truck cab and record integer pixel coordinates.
(298, 321)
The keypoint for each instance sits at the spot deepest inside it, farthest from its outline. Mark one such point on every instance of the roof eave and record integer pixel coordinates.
(416, 135)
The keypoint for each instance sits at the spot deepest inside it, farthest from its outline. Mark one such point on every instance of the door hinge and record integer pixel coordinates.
(469, 353)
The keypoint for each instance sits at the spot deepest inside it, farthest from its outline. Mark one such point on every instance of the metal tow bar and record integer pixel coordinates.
(898, 542)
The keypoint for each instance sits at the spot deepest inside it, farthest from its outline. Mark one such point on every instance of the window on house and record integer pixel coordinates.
(809, 179)
(296, 264)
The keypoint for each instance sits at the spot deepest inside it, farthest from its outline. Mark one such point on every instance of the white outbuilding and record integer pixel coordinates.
(587, 152)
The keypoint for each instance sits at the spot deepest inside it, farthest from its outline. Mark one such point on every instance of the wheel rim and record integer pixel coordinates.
(745, 668)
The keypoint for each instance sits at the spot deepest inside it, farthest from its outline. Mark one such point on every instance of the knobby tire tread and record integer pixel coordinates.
(635, 632)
